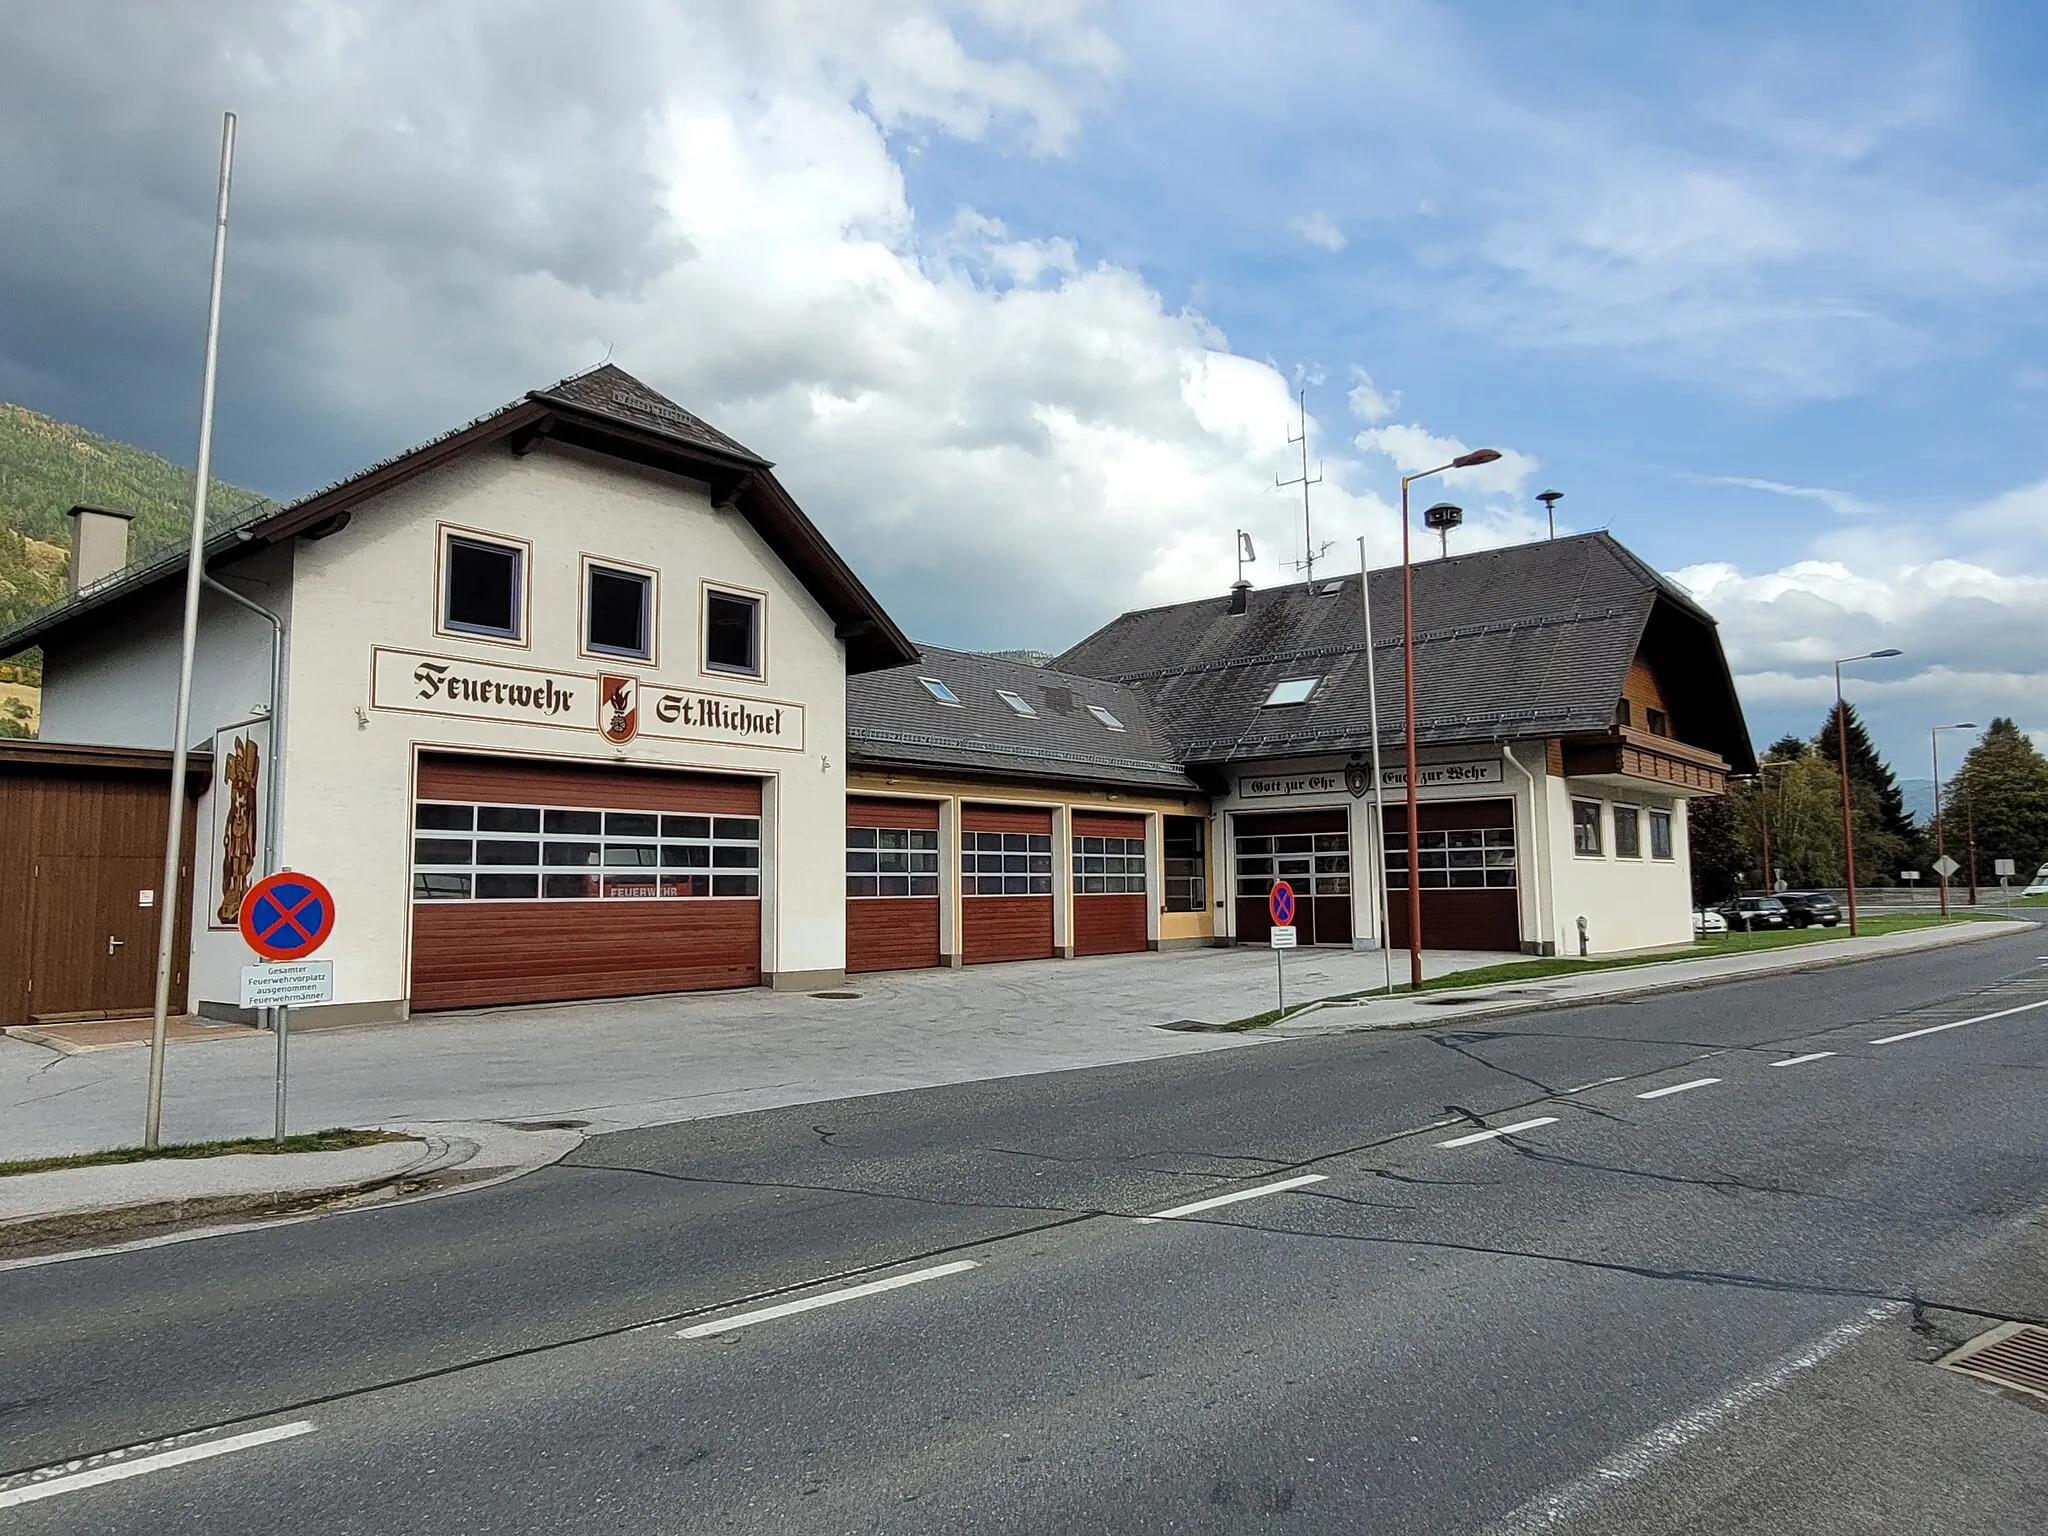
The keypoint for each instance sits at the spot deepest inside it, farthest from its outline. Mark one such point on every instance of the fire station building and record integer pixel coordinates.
(576, 702)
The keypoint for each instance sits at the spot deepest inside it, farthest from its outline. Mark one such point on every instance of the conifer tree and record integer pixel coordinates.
(2002, 789)
(1887, 838)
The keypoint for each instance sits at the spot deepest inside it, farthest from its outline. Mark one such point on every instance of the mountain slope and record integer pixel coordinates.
(47, 467)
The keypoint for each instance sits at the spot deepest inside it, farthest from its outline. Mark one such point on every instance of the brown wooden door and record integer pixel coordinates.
(892, 903)
(1005, 883)
(1468, 875)
(94, 944)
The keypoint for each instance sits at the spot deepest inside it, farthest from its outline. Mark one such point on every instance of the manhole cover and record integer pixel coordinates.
(2012, 1355)
(837, 997)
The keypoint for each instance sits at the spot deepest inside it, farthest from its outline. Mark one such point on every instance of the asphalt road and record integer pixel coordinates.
(1480, 1336)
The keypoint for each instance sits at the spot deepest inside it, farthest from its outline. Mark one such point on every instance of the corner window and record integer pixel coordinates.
(732, 633)
(482, 587)
(1181, 843)
(1660, 834)
(1294, 690)
(1105, 717)
(941, 692)
(1017, 703)
(618, 612)
(1586, 828)
(1628, 832)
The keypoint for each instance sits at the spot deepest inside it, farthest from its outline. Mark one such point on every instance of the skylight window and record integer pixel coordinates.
(1295, 690)
(941, 692)
(1016, 702)
(1105, 717)
(1331, 588)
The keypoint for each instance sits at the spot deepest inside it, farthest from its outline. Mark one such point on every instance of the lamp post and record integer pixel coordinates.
(1463, 461)
(1842, 754)
(1763, 803)
(1934, 752)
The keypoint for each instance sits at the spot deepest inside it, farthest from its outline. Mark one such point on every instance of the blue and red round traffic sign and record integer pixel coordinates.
(287, 916)
(1281, 903)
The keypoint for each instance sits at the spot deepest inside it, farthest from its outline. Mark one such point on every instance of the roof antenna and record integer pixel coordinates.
(1307, 563)
(1550, 499)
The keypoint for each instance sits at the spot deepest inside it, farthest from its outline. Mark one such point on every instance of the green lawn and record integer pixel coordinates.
(336, 1140)
(1700, 948)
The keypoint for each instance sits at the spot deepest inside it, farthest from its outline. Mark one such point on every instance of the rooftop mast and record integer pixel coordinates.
(1307, 563)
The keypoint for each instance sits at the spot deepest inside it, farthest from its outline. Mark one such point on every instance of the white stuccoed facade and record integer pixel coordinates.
(350, 750)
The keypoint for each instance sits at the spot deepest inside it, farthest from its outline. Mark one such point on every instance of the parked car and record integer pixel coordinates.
(1708, 920)
(1746, 914)
(1806, 908)
(2039, 885)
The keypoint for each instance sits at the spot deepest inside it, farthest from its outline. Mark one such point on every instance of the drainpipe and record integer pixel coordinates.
(1536, 840)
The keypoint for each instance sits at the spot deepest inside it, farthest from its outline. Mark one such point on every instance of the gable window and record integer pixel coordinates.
(1660, 834)
(732, 633)
(1293, 690)
(1628, 832)
(618, 612)
(941, 692)
(1658, 721)
(1016, 702)
(1586, 828)
(482, 587)
(1105, 717)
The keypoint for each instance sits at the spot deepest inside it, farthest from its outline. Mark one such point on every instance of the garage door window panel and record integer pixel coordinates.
(1109, 866)
(1458, 859)
(892, 861)
(624, 855)
(1006, 863)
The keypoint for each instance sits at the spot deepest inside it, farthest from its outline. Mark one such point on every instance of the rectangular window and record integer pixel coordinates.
(732, 633)
(1460, 859)
(1017, 703)
(1109, 866)
(1108, 720)
(1293, 690)
(481, 588)
(1660, 834)
(1586, 828)
(1658, 721)
(1628, 832)
(1005, 864)
(537, 853)
(1315, 864)
(892, 861)
(1183, 842)
(618, 612)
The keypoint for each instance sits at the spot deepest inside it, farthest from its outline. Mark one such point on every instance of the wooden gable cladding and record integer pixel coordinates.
(1635, 754)
(1641, 692)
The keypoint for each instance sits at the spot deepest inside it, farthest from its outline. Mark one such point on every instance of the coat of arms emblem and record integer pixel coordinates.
(618, 708)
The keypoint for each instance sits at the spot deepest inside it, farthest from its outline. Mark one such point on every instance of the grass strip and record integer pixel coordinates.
(338, 1139)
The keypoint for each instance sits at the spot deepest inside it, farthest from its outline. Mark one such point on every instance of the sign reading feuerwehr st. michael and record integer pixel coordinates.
(618, 708)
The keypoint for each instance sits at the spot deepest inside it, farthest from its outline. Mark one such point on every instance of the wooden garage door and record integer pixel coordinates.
(1109, 884)
(892, 885)
(536, 882)
(1468, 875)
(1311, 851)
(1005, 884)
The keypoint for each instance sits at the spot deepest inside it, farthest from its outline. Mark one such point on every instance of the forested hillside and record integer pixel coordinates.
(47, 467)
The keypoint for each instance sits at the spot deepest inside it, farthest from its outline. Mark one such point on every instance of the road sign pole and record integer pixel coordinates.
(1280, 978)
(284, 1035)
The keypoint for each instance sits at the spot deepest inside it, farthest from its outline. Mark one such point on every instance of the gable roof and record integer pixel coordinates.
(605, 411)
(1533, 640)
(893, 720)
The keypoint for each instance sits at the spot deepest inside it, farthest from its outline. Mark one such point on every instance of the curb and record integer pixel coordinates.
(1964, 933)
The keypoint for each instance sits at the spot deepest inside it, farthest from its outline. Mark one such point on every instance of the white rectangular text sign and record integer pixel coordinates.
(287, 983)
(1283, 938)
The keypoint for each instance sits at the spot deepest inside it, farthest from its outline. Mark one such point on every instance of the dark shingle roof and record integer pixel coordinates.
(892, 720)
(613, 392)
(1533, 640)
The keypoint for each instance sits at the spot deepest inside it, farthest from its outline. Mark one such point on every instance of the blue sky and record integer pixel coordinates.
(1016, 293)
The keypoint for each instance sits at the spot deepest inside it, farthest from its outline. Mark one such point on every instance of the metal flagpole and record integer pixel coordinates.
(167, 934)
(1378, 860)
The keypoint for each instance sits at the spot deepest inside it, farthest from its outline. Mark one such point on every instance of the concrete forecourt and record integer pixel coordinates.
(1675, 1263)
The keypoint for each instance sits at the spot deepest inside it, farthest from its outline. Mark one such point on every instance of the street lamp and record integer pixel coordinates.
(1470, 460)
(1934, 751)
(1842, 753)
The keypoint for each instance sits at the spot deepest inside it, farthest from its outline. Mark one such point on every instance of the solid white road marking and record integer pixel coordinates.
(1793, 1061)
(1665, 1093)
(112, 1471)
(830, 1299)
(1242, 1194)
(1982, 1018)
(1504, 1130)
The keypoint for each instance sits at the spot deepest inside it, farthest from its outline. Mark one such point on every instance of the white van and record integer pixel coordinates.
(2040, 885)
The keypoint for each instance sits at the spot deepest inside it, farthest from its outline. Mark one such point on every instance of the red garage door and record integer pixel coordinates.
(1005, 883)
(1468, 875)
(1311, 851)
(1109, 884)
(892, 885)
(534, 882)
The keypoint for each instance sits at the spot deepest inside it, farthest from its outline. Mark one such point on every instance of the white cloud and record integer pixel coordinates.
(1368, 402)
(1317, 229)
(1415, 449)
(1841, 503)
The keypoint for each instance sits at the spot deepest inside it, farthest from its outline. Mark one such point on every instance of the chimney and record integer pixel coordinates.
(1240, 592)
(99, 545)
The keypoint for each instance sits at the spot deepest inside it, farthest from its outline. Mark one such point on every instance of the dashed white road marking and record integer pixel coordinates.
(114, 1466)
(1795, 1061)
(829, 1299)
(1665, 1093)
(1982, 1018)
(1502, 1130)
(1243, 1194)
(1601, 1082)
